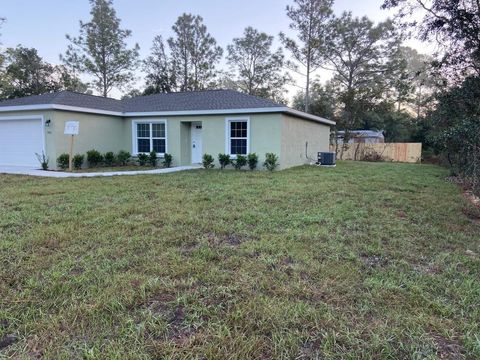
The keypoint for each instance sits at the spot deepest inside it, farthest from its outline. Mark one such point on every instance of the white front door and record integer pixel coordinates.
(196, 142)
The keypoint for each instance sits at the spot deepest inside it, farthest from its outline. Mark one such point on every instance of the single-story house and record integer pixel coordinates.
(184, 124)
(362, 136)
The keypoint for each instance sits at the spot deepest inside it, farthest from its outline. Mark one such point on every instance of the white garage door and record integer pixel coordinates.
(19, 141)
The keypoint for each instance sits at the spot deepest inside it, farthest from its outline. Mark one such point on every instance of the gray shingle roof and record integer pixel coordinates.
(67, 98)
(181, 101)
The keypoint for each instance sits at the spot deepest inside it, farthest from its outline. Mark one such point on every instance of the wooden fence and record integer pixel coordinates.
(400, 152)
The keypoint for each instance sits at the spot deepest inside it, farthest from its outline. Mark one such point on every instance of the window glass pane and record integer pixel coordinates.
(143, 145)
(159, 145)
(238, 129)
(238, 147)
(158, 130)
(143, 130)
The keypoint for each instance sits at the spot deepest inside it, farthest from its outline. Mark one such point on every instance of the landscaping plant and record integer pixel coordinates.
(167, 160)
(94, 158)
(271, 161)
(142, 159)
(78, 161)
(224, 160)
(109, 158)
(207, 161)
(252, 160)
(152, 159)
(123, 157)
(62, 161)
(43, 160)
(240, 162)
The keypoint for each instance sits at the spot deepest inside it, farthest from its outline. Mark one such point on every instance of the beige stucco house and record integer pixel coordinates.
(186, 125)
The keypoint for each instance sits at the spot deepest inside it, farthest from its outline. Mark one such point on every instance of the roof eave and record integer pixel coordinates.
(283, 109)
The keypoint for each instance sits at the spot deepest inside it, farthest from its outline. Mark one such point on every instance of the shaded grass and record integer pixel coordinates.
(367, 260)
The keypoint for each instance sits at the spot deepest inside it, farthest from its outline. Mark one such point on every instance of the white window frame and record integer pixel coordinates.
(228, 138)
(135, 137)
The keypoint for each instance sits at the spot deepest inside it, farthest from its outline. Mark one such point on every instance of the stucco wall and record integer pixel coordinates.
(100, 132)
(265, 135)
(302, 140)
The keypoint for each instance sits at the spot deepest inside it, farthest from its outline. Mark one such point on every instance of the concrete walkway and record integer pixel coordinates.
(31, 171)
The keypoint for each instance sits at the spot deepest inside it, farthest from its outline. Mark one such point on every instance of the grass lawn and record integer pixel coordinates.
(367, 260)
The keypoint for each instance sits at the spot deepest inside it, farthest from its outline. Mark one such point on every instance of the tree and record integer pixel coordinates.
(194, 52)
(456, 127)
(309, 18)
(101, 50)
(259, 71)
(27, 74)
(362, 57)
(322, 100)
(453, 24)
(160, 70)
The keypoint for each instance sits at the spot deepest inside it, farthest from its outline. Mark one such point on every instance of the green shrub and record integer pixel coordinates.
(252, 160)
(167, 160)
(78, 161)
(123, 157)
(207, 161)
(224, 160)
(43, 160)
(240, 162)
(94, 158)
(109, 158)
(62, 161)
(142, 159)
(152, 159)
(271, 161)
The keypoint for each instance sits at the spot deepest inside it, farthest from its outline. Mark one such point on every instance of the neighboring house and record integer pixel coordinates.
(362, 136)
(186, 125)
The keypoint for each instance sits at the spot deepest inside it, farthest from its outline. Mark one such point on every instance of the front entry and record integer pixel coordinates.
(196, 142)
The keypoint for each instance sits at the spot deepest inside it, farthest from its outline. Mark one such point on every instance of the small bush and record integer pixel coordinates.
(109, 158)
(252, 160)
(240, 162)
(167, 160)
(62, 161)
(152, 159)
(123, 157)
(142, 159)
(224, 160)
(372, 156)
(94, 157)
(78, 161)
(271, 161)
(207, 161)
(43, 160)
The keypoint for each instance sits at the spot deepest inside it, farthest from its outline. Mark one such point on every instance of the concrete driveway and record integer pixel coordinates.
(32, 171)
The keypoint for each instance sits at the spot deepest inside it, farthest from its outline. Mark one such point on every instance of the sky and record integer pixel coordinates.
(43, 24)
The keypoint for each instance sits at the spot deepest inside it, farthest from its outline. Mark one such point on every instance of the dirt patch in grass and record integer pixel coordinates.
(7, 341)
(448, 349)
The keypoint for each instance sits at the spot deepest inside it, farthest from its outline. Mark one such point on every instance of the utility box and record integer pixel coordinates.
(326, 158)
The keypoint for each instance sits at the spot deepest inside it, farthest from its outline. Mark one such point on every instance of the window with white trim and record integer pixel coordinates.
(151, 136)
(237, 137)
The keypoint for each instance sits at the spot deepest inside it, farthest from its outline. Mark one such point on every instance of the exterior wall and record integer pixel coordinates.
(265, 135)
(296, 133)
(100, 132)
(281, 134)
